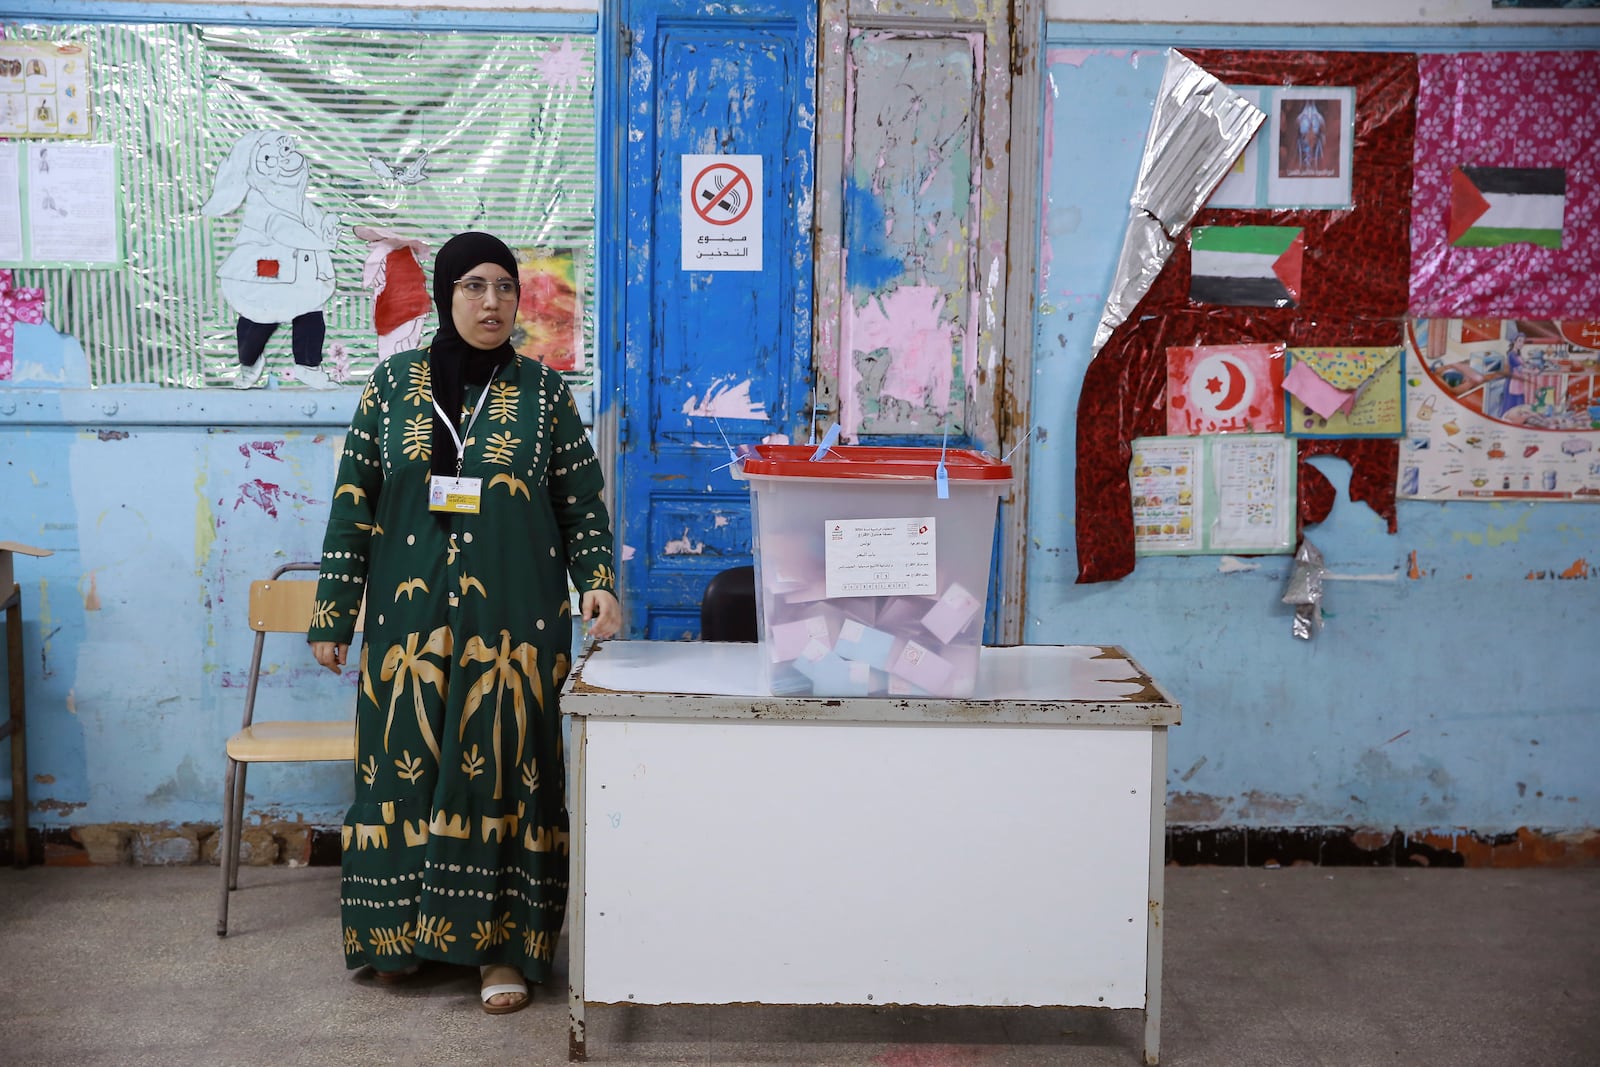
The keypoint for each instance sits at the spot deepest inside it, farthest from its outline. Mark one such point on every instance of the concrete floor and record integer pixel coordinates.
(1306, 967)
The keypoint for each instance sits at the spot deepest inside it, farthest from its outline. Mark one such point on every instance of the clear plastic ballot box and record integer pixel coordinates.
(868, 582)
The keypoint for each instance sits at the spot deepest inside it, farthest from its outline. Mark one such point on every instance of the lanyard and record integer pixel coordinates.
(450, 424)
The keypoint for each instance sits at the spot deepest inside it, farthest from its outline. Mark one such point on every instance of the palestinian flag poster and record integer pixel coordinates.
(1460, 195)
(1494, 206)
(1246, 266)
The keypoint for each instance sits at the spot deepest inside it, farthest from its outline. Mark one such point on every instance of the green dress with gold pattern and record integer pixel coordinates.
(456, 846)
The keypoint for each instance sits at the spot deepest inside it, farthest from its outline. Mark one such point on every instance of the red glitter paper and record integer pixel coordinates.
(1124, 395)
(1356, 273)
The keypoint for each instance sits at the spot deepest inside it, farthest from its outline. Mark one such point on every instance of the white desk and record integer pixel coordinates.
(731, 846)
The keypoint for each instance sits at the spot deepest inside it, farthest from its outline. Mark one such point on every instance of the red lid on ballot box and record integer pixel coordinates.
(873, 462)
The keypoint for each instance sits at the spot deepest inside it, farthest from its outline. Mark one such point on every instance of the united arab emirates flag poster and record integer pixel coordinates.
(1246, 266)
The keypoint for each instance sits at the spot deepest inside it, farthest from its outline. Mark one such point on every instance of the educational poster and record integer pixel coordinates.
(1311, 131)
(1502, 409)
(44, 89)
(1225, 389)
(74, 212)
(1345, 392)
(1504, 187)
(1166, 496)
(550, 315)
(1200, 495)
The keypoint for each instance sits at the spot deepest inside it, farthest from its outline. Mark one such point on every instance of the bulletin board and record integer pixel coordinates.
(420, 135)
(1348, 288)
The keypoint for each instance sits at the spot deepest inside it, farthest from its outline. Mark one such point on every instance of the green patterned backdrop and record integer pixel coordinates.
(507, 124)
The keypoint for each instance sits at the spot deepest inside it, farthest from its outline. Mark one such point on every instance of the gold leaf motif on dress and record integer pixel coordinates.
(503, 398)
(472, 763)
(324, 613)
(420, 391)
(604, 577)
(397, 942)
(369, 770)
(501, 449)
(435, 930)
(368, 395)
(418, 440)
(493, 931)
(352, 940)
(536, 944)
(410, 766)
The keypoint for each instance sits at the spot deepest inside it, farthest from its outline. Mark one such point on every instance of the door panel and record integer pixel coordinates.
(912, 209)
(705, 360)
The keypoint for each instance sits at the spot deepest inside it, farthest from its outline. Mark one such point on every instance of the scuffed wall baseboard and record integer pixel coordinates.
(1344, 846)
(299, 844)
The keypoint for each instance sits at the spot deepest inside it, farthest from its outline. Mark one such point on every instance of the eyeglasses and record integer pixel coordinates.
(475, 288)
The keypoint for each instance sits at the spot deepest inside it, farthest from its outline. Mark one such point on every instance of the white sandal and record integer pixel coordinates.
(489, 992)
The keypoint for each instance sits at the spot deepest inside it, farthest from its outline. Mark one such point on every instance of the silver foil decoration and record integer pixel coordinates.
(1198, 128)
(1305, 590)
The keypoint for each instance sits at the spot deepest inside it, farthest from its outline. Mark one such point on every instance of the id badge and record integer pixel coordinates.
(460, 495)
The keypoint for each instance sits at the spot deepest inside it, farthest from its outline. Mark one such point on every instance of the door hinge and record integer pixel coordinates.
(627, 41)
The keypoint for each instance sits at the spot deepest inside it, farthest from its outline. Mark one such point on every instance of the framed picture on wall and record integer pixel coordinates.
(1300, 157)
(1310, 131)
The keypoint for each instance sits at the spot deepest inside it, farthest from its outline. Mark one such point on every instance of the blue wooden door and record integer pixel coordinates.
(698, 361)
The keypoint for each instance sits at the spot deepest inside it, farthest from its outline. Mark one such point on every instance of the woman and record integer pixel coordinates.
(466, 495)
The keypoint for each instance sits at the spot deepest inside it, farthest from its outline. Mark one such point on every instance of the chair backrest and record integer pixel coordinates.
(728, 608)
(285, 605)
(281, 607)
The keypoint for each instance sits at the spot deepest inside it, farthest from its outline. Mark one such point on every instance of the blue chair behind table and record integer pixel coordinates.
(728, 608)
(277, 606)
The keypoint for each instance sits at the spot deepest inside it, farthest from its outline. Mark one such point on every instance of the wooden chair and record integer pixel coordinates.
(275, 607)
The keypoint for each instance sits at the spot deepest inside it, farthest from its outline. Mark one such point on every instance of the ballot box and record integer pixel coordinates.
(872, 566)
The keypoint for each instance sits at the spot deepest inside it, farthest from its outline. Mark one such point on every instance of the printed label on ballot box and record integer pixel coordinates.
(878, 557)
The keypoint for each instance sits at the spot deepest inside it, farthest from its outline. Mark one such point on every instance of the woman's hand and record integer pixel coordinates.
(330, 655)
(602, 615)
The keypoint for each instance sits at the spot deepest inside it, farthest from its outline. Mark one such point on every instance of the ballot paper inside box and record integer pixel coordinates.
(868, 582)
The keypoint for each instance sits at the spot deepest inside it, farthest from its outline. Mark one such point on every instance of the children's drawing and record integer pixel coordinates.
(1225, 389)
(550, 312)
(281, 267)
(412, 173)
(393, 272)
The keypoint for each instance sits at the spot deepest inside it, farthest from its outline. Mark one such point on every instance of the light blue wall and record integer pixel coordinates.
(1432, 703)
(1468, 697)
(161, 506)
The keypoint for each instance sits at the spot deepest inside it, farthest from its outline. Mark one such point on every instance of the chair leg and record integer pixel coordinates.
(224, 846)
(238, 827)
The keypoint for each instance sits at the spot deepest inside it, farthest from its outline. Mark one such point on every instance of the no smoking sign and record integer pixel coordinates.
(721, 212)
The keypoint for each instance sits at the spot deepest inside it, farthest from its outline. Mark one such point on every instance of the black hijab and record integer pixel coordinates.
(452, 360)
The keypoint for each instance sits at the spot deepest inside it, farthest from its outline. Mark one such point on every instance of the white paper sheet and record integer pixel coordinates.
(72, 206)
(10, 204)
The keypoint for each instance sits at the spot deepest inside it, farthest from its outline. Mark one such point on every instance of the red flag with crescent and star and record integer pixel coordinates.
(1225, 389)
